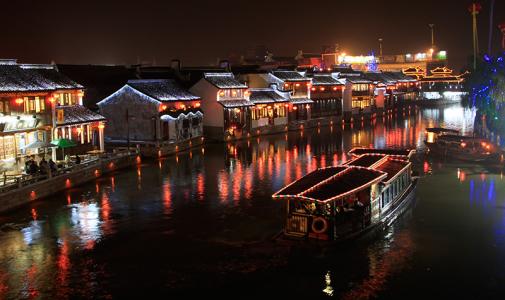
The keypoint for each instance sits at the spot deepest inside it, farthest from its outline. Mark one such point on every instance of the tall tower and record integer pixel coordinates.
(432, 29)
(502, 29)
(491, 27)
(474, 10)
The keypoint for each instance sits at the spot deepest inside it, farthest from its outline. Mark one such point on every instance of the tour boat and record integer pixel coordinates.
(340, 202)
(448, 143)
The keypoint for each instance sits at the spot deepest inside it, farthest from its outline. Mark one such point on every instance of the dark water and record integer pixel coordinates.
(200, 225)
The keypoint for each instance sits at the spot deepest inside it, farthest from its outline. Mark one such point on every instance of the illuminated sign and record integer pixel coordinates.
(347, 59)
(12, 123)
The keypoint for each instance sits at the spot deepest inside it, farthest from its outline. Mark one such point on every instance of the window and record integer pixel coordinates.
(230, 94)
(4, 107)
(281, 111)
(65, 99)
(360, 87)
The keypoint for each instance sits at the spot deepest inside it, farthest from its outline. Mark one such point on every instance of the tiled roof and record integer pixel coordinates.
(325, 80)
(162, 89)
(235, 103)
(300, 101)
(224, 81)
(358, 79)
(309, 180)
(260, 96)
(380, 77)
(32, 78)
(399, 76)
(365, 160)
(351, 179)
(392, 167)
(290, 76)
(77, 114)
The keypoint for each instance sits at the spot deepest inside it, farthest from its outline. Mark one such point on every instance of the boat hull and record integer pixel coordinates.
(436, 149)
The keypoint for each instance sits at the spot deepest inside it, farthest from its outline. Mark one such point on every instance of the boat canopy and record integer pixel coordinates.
(397, 152)
(439, 130)
(334, 183)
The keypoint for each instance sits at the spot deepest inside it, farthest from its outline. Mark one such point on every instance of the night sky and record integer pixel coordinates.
(200, 32)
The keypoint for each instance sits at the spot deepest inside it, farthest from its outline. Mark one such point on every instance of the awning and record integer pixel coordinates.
(300, 101)
(236, 103)
(38, 145)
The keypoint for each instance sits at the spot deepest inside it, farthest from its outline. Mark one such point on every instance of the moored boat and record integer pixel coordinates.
(340, 202)
(448, 143)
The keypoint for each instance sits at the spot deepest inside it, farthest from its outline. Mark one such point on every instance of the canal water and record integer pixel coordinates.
(200, 224)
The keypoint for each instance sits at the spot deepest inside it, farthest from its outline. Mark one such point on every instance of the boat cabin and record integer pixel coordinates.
(337, 202)
(433, 133)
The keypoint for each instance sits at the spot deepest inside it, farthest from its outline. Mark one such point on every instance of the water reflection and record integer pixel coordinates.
(217, 197)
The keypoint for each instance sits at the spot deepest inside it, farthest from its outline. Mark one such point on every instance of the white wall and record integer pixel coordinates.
(347, 99)
(212, 110)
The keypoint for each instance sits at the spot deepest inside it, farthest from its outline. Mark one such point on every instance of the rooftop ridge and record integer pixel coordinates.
(220, 74)
(37, 66)
(8, 61)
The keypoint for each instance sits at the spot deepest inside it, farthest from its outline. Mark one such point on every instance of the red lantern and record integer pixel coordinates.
(19, 101)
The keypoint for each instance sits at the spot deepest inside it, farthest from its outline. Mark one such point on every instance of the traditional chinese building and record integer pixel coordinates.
(327, 93)
(152, 112)
(38, 104)
(395, 88)
(442, 84)
(359, 98)
(414, 72)
(227, 111)
(292, 83)
(270, 110)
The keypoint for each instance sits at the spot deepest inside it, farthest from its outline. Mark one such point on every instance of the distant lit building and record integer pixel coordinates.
(442, 84)
(422, 61)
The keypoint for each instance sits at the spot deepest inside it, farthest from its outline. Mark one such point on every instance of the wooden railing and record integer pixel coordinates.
(12, 182)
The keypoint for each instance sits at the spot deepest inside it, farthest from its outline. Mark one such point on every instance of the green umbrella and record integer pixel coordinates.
(64, 143)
